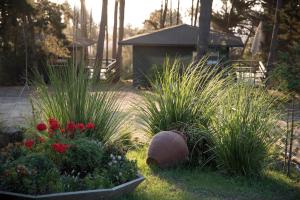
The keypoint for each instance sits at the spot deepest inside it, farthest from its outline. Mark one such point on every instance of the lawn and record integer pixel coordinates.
(187, 184)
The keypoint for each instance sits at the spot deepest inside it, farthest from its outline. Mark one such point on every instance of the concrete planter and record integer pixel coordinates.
(99, 194)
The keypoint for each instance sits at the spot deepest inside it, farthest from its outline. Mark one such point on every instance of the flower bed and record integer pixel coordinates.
(60, 158)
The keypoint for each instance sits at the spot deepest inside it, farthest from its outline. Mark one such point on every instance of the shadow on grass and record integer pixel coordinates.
(185, 184)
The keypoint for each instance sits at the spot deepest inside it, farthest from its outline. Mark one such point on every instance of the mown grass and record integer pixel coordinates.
(183, 183)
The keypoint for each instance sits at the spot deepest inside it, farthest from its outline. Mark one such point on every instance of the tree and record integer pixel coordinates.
(35, 24)
(83, 27)
(121, 34)
(274, 41)
(164, 15)
(204, 28)
(237, 17)
(192, 13)
(178, 12)
(171, 13)
(153, 22)
(114, 44)
(196, 12)
(100, 43)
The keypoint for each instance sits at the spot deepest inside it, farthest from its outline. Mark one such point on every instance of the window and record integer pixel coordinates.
(213, 57)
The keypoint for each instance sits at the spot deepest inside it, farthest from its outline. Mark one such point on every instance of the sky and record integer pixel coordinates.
(136, 11)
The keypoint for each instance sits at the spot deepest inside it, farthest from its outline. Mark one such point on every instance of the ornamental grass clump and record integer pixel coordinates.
(72, 96)
(183, 98)
(181, 95)
(244, 129)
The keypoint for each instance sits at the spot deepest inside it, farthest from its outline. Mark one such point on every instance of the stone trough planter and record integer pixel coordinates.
(99, 194)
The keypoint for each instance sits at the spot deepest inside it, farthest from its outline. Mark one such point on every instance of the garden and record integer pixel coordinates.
(208, 137)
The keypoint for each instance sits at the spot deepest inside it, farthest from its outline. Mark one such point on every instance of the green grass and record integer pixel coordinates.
(187, 184)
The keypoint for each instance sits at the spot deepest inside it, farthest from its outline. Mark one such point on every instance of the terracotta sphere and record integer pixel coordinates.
(167, 148)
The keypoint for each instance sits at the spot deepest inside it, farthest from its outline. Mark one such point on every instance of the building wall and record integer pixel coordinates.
(147, 59)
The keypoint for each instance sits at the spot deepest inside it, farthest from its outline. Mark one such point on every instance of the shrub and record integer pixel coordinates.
(71, 98)
(33, 174)
(83, 156)
(59, 158)
(120, 169)
(243, 129)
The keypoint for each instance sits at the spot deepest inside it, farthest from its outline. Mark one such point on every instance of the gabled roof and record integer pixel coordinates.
(182, 35)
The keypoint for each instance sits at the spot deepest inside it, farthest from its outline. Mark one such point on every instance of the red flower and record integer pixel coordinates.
(80, 126)
(90, 125)
(41, 126)
(29, 143)
(62, 130)
(71, 126)
(60, 148)
(54, 124)
(41, 139)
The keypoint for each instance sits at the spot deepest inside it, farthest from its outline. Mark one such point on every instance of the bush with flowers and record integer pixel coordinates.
(62, 158)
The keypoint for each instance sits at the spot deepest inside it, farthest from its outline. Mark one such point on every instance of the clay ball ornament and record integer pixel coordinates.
(167, 149)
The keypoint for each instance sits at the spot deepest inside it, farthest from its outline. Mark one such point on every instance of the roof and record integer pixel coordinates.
(182, 35)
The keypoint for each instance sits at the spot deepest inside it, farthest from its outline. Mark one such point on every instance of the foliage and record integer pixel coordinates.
(71, 98)
(200, 145)
(32, 173)
(184, 99)
(120, 169)
(11, 152)
(153, 23)
(286, 75)
(57, 158)
(243, 129)
(180, 96)
(237, 17)
(36, 25)
(83, 157)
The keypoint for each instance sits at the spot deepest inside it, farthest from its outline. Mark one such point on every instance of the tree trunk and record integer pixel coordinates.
(273, 45)
(192, 14)
(204, 28)
(83, 23)
(196, 12)
(100, 43)
(178, 13)
(171, 13)
(114, 47)
(106, 48)
(121, 33)
(245, 45)
(161, 13)
(91, 24)
(164, 15)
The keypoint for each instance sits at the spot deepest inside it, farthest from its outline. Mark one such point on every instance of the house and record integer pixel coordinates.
(151, 49)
